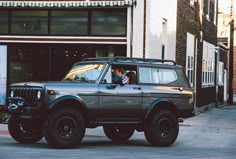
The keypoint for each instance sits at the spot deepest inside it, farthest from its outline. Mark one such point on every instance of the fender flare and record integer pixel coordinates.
(156, 104)
(68, 97)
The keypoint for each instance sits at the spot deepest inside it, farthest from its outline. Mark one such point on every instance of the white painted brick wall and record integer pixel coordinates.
(138, 29)
(156, 11)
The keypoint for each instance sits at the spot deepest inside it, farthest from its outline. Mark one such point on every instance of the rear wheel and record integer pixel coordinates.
(64, 128)
(24, 130)
(162, 129)
(118, 133)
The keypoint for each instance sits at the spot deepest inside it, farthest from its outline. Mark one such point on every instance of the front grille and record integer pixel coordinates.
(29, 94)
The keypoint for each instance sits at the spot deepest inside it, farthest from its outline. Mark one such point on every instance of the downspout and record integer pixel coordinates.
(144, 28)
(131, 31)
(195, 72)
(217, 52)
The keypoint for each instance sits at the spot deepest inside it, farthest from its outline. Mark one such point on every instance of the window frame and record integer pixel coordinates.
(221, 73)
(208, 65)
(190, 67)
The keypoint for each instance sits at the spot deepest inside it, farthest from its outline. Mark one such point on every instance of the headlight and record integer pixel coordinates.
(11, 93)
(38, 95)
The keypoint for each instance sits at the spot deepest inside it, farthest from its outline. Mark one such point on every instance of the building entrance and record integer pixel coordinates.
(50, 62)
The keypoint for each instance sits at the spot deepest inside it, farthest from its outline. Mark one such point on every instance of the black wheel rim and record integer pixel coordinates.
(66, 127)
(165, 127)
(27, 130)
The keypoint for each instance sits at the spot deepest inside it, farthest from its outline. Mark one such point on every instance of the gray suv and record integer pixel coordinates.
(157, 96)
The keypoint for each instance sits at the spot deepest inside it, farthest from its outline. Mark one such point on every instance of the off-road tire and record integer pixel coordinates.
(24, 130)
(162, 129)
(65, 128)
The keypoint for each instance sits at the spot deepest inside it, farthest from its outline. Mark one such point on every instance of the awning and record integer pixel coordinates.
(66, 4)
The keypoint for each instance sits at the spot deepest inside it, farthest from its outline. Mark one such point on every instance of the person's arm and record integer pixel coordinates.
(125, 79)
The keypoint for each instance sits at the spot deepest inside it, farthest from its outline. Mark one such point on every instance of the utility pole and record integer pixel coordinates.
(231, 55)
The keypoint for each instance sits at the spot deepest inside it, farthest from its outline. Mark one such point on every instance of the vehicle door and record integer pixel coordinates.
(117, 100)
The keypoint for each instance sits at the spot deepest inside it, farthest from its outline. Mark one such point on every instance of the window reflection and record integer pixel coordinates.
(108, 23)
(3, 22)
(85, 73)
(29, 22)
(69, 22)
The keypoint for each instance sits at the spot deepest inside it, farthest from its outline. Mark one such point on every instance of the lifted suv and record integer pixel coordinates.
(157, 95)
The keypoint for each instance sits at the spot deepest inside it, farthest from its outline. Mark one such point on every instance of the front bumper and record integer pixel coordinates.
(19, 105)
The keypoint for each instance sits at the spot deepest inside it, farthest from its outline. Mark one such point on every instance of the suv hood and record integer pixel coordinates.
(66, 86)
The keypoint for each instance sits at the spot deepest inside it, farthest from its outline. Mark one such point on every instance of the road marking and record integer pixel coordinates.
(4, 132)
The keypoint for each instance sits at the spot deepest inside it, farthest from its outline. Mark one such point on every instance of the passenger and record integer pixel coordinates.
(132, 77)
(120, 77)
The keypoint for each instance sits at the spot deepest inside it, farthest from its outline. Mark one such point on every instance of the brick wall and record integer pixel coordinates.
(234, 73)
(188, 20)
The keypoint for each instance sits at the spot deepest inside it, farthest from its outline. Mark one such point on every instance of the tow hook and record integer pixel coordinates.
(12, 107)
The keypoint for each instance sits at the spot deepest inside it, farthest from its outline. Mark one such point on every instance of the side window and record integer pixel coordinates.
(167, 76)
(157, 76)
(145, 75)
(108, 77)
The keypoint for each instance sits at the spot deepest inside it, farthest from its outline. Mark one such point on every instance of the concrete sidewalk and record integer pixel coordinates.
(220, 119)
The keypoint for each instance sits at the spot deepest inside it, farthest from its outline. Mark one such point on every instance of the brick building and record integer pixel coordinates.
(197, 43)
(224, 19)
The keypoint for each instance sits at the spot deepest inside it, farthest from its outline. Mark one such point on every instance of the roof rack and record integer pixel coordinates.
(130, 59)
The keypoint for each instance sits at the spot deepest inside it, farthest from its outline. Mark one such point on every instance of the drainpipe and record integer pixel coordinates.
(195, 73)
(217, 52)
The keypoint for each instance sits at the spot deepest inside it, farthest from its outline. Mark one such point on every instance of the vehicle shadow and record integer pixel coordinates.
(87, 143)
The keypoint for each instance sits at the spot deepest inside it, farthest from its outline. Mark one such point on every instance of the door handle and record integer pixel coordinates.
(181, 89)
(111, 86)
(137, 88)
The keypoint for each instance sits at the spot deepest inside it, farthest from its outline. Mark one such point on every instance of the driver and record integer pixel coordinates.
(119, 76)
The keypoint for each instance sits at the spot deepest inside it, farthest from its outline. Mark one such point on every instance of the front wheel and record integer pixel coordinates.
(162, 129)
(24, 130)
(64, 128)
(118, 133)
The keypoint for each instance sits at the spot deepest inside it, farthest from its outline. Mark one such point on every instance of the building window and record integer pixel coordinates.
(69, 22)
(208, 62)
(215, 12)
(3, 22)
(208, 9)
(29, 22)
(221, 73)
(108, 23)
(190, 57)
(192, 3)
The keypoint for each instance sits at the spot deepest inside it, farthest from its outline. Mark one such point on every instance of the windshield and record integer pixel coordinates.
(85, 72)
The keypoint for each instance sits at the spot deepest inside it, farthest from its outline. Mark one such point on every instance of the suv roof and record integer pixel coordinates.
(132, 60)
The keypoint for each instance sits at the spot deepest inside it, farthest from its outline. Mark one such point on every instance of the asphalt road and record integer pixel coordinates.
(210, 135)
